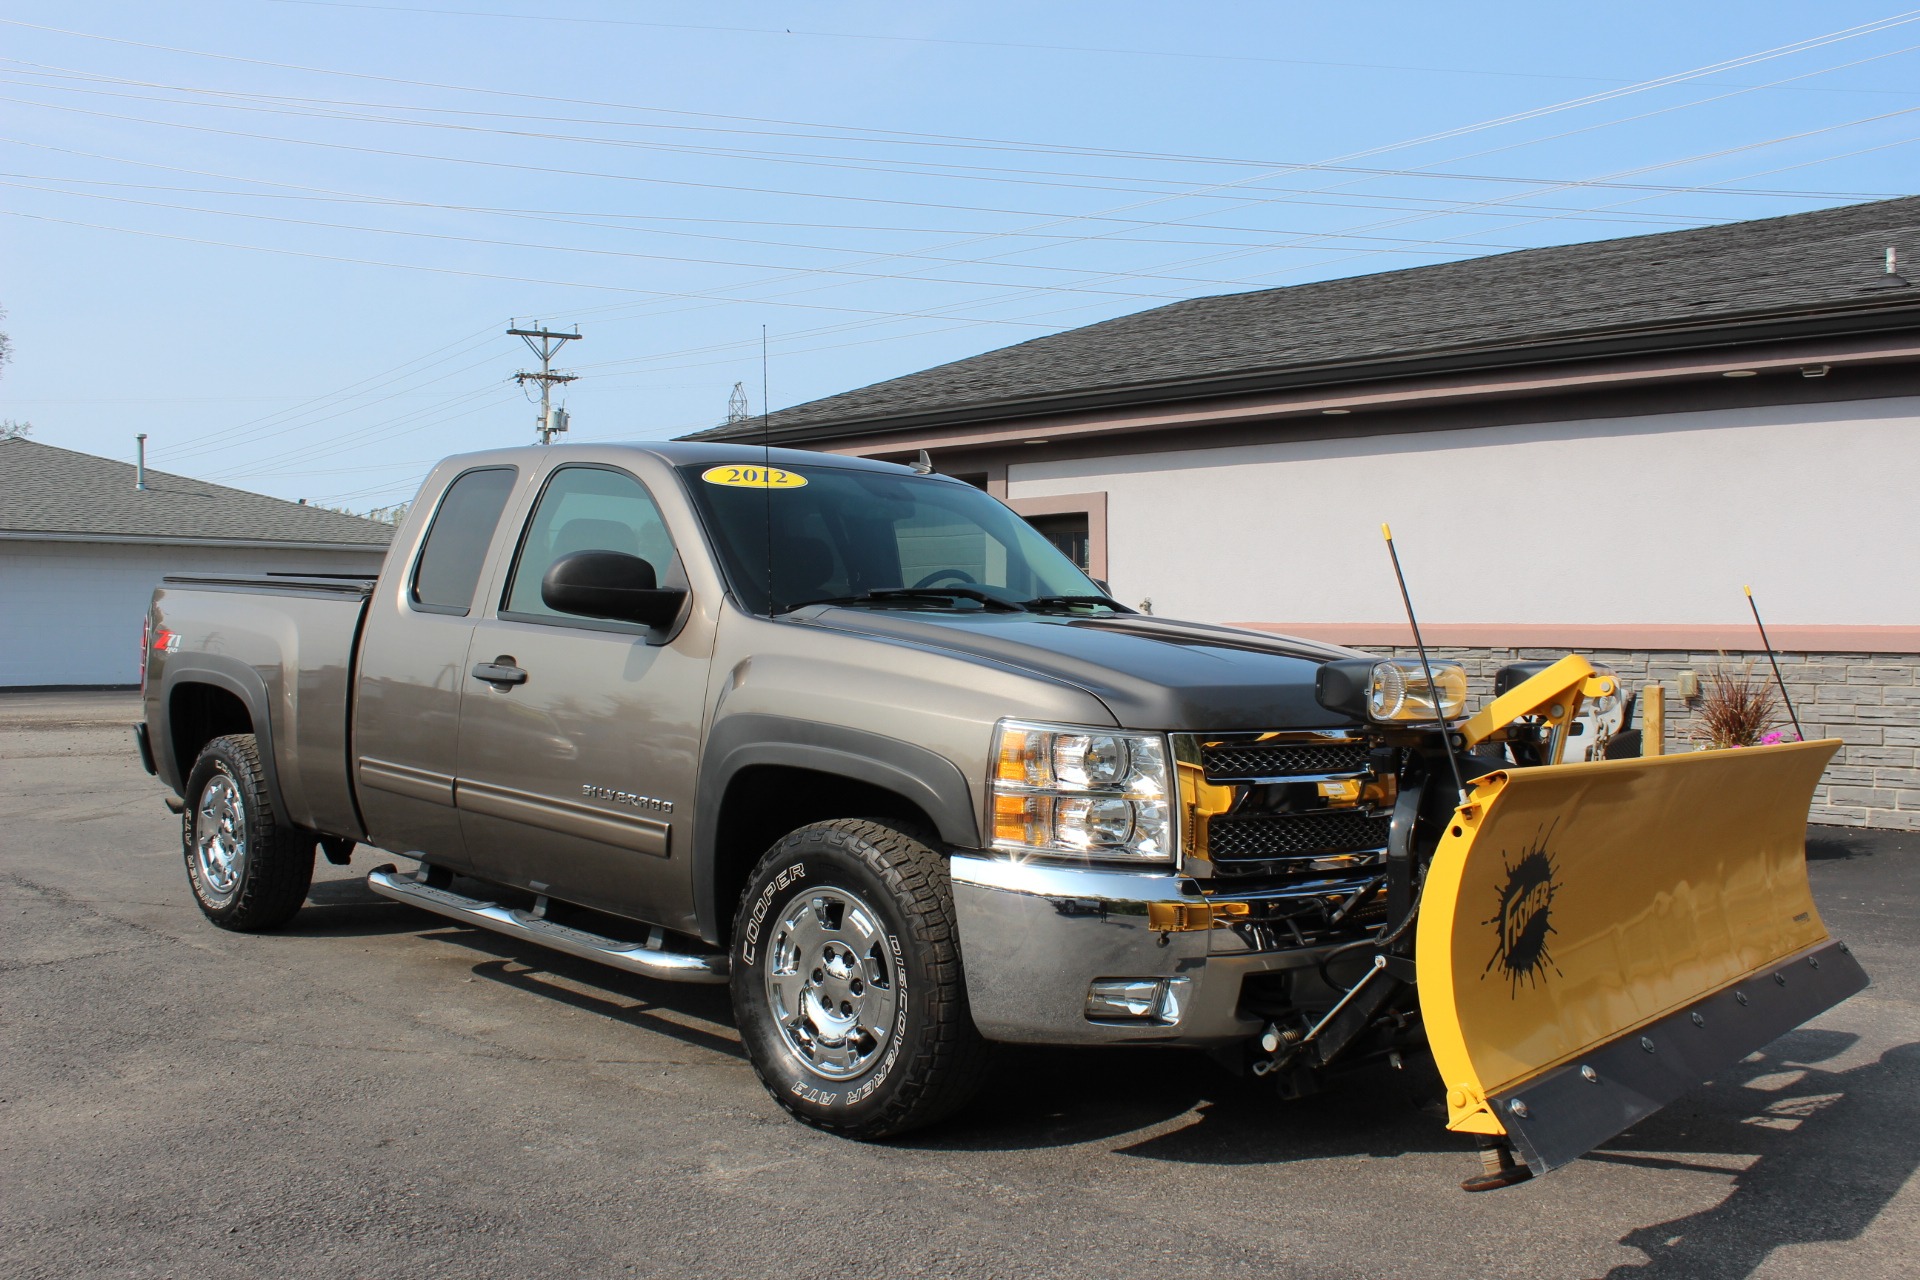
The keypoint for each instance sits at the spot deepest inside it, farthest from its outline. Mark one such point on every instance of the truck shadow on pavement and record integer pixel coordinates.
(1832, 844)
(664, 1008)
(1038, 1098)
(348, 908)
(1824, 1152)
(1808, 1154)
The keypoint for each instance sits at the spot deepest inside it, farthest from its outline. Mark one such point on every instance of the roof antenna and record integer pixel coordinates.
(766, 463)
(1433, 690)
(923, 465)
(1778, 679)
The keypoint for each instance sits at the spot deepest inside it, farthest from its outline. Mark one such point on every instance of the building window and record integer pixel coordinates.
(1076, 523)
(1069, 532)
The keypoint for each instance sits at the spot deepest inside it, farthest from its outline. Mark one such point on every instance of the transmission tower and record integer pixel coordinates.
(737, 408)
(545, 343)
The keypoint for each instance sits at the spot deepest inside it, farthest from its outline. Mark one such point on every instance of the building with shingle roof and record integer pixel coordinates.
(1588, 446)
(82, 545)
(1740, 282)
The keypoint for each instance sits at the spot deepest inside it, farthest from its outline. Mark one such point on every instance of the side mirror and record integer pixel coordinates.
(609, 584)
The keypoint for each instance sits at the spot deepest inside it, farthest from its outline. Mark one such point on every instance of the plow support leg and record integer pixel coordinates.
(1597, 939)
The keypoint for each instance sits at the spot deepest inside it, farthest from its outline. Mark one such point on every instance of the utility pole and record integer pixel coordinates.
(545, 343)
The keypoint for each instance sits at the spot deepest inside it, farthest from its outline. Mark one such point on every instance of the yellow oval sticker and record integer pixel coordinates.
(754, 478)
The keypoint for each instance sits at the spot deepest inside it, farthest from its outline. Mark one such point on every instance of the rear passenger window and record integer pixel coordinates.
(449, 569)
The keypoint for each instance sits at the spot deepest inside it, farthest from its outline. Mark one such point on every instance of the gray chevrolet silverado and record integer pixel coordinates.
(850, 737)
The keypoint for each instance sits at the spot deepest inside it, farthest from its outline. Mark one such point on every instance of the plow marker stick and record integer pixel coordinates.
(1439, 720)
(1597, 939)
(1777, 677)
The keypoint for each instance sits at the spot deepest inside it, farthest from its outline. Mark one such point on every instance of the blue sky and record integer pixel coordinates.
(284, 237)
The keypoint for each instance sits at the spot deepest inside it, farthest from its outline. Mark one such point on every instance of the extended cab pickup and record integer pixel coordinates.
(853, 738)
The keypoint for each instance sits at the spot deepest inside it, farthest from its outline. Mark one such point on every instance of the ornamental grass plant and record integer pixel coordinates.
(1736, 709)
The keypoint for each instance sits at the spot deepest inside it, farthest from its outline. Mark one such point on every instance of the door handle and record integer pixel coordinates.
(499, 672)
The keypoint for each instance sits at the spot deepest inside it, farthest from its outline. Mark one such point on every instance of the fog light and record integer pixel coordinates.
(1157, 1000)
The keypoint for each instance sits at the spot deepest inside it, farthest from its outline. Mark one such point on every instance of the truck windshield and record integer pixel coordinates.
(880, 540)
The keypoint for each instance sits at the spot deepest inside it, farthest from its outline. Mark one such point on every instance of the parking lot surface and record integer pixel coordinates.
(377, 1092)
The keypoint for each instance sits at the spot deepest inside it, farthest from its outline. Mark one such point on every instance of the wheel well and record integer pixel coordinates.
(196, 715)
(764, 802)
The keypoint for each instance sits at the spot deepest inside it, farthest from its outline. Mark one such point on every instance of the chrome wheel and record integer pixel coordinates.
(833, 983)
(220, 837)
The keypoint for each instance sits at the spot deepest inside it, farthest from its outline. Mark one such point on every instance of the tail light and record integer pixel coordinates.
(154, 640)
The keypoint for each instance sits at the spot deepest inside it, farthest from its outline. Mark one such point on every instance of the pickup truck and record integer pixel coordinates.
(855, 739)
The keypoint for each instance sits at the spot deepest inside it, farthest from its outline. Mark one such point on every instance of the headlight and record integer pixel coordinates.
(1392, 689)
(1065, 790)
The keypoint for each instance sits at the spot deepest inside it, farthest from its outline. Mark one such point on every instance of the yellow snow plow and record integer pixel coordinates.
(1596, 939)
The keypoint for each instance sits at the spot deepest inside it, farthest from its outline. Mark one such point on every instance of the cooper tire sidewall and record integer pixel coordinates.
(848, 1103)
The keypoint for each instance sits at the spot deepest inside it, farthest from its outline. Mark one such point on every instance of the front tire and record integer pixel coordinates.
(846, 981)
(249, 869)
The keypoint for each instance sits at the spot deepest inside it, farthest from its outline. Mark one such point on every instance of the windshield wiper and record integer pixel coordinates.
(1067, 602)
(884, 595)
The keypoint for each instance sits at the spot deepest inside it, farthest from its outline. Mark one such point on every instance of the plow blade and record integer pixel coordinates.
(1597, 939)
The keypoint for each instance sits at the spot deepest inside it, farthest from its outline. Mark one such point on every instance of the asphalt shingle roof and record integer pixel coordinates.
(44, 489)
(1729, 273)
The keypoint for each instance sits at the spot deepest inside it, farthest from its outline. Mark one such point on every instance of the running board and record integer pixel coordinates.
(634, 957)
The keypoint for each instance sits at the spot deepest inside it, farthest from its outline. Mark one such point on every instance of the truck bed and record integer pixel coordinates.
(286, 645)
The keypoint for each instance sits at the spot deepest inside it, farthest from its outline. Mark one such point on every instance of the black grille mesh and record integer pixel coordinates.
(1279, 761)
(1261, 836)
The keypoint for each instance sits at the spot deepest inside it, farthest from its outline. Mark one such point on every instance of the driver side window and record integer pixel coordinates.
(585, 509)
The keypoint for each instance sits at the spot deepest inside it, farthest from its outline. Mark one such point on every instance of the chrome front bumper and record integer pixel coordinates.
(1034, 937)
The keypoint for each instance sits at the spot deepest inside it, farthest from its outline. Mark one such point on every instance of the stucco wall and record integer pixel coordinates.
(70, 612)
(1646, 519)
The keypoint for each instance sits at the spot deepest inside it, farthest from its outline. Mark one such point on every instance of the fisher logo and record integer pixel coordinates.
(1524, 923)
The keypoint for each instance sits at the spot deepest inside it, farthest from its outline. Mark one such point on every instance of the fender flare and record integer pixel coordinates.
(927, 779)
(244, 683)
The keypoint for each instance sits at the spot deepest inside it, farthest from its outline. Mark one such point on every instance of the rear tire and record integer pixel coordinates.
(248, 868)
(846, 980)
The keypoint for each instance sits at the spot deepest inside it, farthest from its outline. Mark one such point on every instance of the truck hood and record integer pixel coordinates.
(1152, 673)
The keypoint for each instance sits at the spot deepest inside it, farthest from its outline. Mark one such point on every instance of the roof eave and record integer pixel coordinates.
(175, 540)
(1870, 316)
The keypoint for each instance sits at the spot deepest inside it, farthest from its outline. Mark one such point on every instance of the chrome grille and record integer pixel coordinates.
(1222, 763)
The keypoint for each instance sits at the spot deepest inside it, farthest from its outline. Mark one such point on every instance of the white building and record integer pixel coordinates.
(1588, 447)
(82, 547)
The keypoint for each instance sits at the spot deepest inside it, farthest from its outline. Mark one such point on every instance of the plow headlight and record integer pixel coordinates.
(1392, 689)
(1058, 789)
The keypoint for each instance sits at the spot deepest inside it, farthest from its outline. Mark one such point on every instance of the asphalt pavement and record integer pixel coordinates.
(378, 1092)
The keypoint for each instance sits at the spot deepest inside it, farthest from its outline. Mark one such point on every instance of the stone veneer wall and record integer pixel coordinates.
(1871, 701)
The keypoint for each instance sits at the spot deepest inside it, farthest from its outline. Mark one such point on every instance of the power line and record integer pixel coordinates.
(40, 72)
(1215, 190)
(986, 44)
(329, 193)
